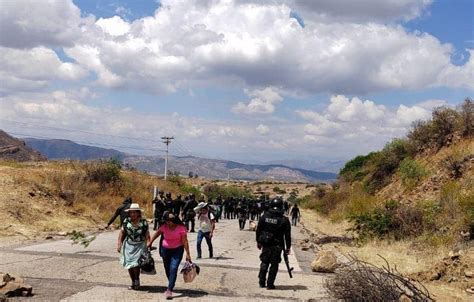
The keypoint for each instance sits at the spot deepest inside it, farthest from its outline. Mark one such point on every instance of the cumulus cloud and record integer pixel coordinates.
(30, 69)
(195, 132)
(262, 101)
(262, 129)
(114, 26)
(188, 43)
(355, 109)
(355, 121)
(28, 24)
(360, 10)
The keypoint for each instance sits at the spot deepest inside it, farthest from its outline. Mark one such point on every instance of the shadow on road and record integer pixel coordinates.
(223, 258)
(180, 293)
(291, 287)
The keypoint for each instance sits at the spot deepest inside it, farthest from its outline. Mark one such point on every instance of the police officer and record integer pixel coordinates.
(169, 203)
(242, 213)
(273, 236)
(159, 210)
(121, 211)
(188, 212)
(178, 205)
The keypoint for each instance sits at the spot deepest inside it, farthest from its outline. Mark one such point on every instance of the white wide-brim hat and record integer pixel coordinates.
(200, 206)
(134, 207)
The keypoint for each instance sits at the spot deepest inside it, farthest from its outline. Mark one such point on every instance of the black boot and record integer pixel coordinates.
(272, 275)
(262, 275)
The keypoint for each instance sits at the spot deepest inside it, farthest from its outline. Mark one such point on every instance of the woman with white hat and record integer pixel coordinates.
(132, 242)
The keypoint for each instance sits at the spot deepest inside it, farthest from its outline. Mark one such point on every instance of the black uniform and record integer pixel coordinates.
(189, 214)
(295, 215)
(242, 213)
(121, 211)
(273, 236)
(178, 206)
(160, 208)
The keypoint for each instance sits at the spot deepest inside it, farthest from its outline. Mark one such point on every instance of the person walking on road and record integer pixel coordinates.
(273, 236)
(121, 211)
(175, 243)
(160, 208)
(132, 242)
(207, 224)
(295, 215)
(242, 214)
(188, 212)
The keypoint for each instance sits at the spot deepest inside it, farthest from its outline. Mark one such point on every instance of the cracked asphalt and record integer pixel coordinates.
(61, 271)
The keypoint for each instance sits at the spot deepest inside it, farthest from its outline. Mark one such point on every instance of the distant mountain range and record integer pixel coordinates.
(66, 149)
(209, 168)
(333, 166)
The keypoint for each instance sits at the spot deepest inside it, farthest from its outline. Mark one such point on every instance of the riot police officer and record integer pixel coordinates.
(273, 236)
(159, 210)
(188, 212)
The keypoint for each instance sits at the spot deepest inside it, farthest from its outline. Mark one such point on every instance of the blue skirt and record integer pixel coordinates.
(131, 252)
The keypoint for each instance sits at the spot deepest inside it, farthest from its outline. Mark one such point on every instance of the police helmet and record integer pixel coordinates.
(276, 204)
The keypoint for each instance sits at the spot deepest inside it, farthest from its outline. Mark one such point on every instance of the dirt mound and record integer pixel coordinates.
(456, 268)
(15, 149)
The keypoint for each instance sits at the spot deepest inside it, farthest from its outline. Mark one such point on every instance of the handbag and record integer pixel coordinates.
(147, 263)
(190, 271)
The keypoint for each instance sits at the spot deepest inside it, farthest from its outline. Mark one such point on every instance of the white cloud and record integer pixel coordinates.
(195, 132)
(114, 26)
(347, 110)
(224, 42)
(262, 102)
(407, 115)
(262, 129)
(356, 123)
(28, 24)
(360, 10)
(29, 69)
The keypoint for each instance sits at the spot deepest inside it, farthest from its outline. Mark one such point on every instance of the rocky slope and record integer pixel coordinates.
(15, 149)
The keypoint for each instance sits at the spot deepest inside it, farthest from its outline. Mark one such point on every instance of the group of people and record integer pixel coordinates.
(174, 218)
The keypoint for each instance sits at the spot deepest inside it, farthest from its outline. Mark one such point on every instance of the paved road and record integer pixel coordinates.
(60, 271)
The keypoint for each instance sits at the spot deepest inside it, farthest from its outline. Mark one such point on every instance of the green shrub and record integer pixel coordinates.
(466, 203)
(467, 117)
(214, 190)
(421, 134)
(394, 220)
(104, 172)
(445, 121)
(176, 179)
(386, 162)
(411, 172)
(353, 170)
(278, 190)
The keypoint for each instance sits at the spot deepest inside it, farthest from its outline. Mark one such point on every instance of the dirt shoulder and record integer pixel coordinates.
(414, 261)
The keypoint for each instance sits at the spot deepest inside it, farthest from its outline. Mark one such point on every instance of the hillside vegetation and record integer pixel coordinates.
(62, 196)
(420, 185)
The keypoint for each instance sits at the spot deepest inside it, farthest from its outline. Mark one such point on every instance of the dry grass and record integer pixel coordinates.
(46, 197)
(408, 256)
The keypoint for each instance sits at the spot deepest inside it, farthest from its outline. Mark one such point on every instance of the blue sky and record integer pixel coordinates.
(241, 80)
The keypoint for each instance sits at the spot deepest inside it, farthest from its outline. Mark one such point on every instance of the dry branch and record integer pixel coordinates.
(362, 281)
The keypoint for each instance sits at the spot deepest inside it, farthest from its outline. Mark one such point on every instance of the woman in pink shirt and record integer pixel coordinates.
(175, 242)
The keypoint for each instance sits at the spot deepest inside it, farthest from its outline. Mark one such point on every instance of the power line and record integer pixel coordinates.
(186, 151)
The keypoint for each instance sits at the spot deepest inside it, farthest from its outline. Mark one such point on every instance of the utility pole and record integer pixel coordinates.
(167, 140)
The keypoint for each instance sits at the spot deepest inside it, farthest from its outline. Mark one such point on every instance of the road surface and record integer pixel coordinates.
(60, 271)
